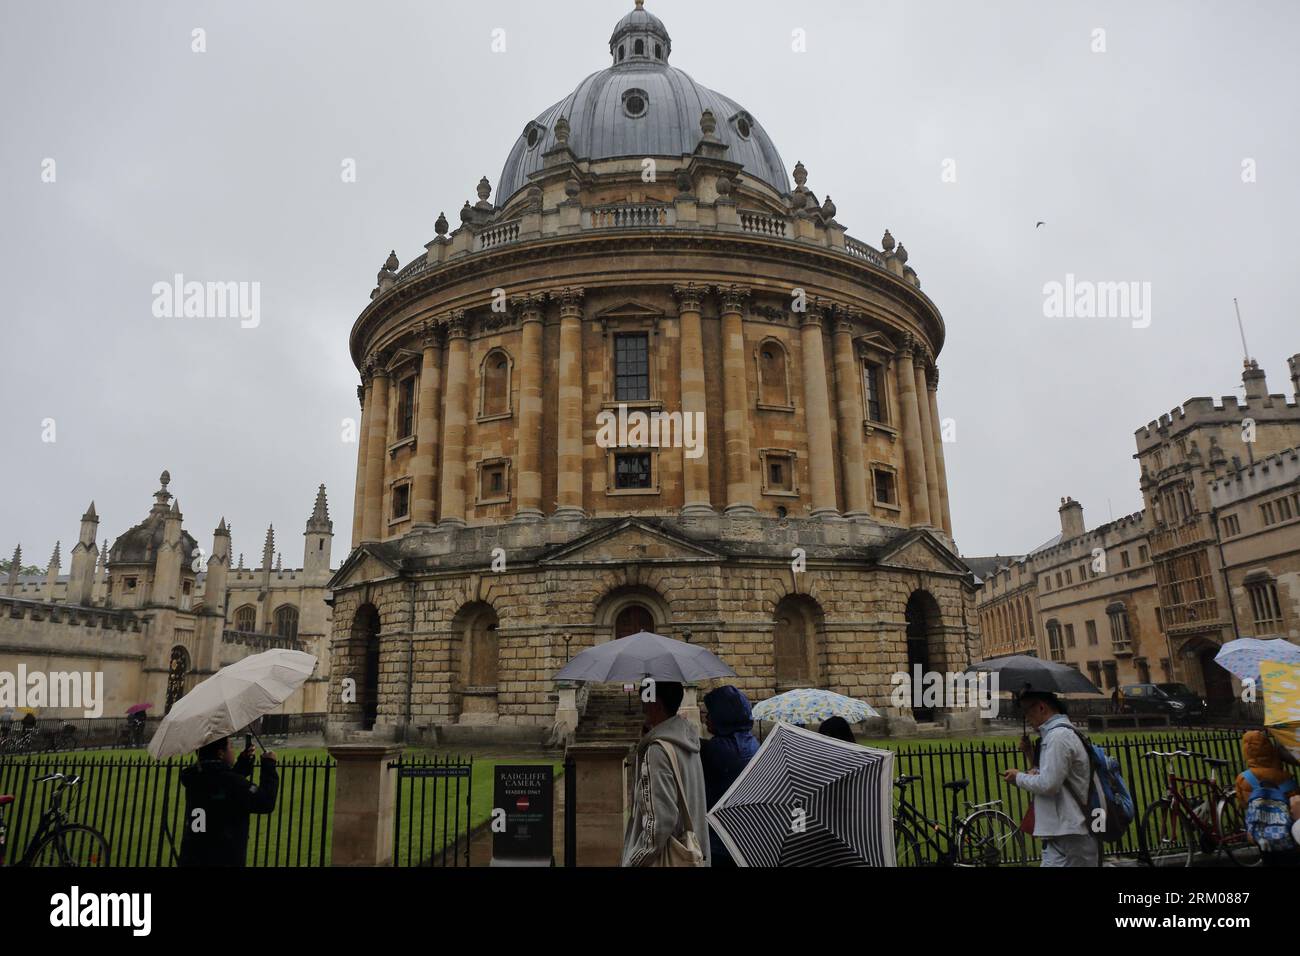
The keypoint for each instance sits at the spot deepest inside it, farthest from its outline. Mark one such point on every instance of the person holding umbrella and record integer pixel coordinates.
(1059, 784)
(219, 798)
(669, 804)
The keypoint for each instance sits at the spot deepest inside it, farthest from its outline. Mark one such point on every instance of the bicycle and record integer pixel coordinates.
(57, 842)
(985, 836)
(1174, 829)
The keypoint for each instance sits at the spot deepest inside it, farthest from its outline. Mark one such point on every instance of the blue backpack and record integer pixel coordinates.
(1115, 801)
(1268, 817)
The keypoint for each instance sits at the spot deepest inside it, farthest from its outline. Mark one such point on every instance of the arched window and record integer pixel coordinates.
(773, 375)
(638, 49)
(246, 619)
(620, 52)
(494, 385)
(286, 621)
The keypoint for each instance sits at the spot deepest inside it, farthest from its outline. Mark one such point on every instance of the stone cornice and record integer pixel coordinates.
(585, 246)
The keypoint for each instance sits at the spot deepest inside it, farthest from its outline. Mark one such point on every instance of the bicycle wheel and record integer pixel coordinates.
(907, 848)
(1165, 838)
(1233, 840)
(72, 845)
(990, 838)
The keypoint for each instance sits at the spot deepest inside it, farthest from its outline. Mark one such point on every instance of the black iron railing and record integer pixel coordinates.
(138, 804)
(433, 803)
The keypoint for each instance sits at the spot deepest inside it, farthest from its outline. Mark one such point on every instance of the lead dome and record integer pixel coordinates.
(641, 106)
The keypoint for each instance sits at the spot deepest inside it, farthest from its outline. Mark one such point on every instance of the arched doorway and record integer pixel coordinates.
(923, 648)
(177, 667)
(633, 619)
(794, 643)
(1218, 682)
(365, 645)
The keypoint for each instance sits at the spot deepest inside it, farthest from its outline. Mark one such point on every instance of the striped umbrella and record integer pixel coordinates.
(809, 800)
(808, 705)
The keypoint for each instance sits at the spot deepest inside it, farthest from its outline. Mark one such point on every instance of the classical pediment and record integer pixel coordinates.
(629, 540)
(919, 550)
(367, 562)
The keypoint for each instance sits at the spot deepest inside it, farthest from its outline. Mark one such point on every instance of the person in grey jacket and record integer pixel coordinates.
(655, 804)
(1060, 784)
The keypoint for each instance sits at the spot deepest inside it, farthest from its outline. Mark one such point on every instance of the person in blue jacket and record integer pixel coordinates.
(725, 754)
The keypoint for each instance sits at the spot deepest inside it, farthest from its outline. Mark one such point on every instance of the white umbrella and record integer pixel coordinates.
(230, 700)
(1243, 656)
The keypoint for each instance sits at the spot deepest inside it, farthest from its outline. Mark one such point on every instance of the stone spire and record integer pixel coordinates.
(14, 568)
(81, 579)
(279, 561)
(320, 522)
(52, 573)
(268, 549)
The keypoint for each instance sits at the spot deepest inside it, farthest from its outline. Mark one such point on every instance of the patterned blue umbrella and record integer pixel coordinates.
(1243, 656)
(809, 800)
(808, 705)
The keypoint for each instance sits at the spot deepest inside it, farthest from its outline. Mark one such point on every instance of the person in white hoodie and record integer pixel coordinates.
(1060, 784)
(657, 804)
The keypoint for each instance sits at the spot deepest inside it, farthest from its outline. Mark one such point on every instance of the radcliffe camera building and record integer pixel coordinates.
(645, 252)
(1214, 555)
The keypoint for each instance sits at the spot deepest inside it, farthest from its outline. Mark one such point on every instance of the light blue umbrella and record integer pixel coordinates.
(808, 705)
(1243, 656)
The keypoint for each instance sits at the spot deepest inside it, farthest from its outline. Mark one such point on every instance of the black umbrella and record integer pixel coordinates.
(1019, 673)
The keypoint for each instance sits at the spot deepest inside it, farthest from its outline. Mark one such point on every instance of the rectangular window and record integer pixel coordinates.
(1058, 580)
(1142, 552)
(873, 381)
(1124, 559)
(1069, 576)
(1231, 526)
(406, 407)
(1110, 669)
(1283, 509)
(632, 470)
(1094, 672)
(401, 501)
(886, 493)
(1069, 635)
(1091, 628)
(631, 367)
(1264, 604)
(1266, 510)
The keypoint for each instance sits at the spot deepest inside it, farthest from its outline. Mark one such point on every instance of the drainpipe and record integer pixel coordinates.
(1227, 586)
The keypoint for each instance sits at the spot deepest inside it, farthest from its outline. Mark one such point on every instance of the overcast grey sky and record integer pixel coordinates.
(225, 166)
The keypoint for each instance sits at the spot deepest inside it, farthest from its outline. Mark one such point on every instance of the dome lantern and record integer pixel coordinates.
(640, 37)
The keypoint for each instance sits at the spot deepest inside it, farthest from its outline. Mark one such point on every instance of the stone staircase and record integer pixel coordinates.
(612, 716)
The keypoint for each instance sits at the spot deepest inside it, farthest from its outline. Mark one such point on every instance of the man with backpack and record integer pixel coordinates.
(1264, 791)
(1060, 784)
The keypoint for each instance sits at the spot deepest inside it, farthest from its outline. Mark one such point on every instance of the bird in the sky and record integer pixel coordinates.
(1039, 223)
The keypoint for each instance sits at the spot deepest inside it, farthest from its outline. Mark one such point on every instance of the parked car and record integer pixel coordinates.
(1177, 700)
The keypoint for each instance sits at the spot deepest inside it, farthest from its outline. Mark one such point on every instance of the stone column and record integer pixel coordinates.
(601, 806)
(529, 483)
(425, 462)
(932, 389)
(918, 495)
(376, 451)
(920, 361)
(740, 488)
(817, 415)
(849, 406)
(452, 496)
(695, 471)
(363, 449)
(363, 804)
(568, 485)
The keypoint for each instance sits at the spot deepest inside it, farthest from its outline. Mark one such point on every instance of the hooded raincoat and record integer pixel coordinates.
(655, 815)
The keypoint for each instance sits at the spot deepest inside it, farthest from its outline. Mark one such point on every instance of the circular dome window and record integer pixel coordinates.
(532, 136)
(742, 127)
(635, 103)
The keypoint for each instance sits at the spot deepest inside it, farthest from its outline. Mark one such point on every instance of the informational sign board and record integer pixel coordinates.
(523, 815)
